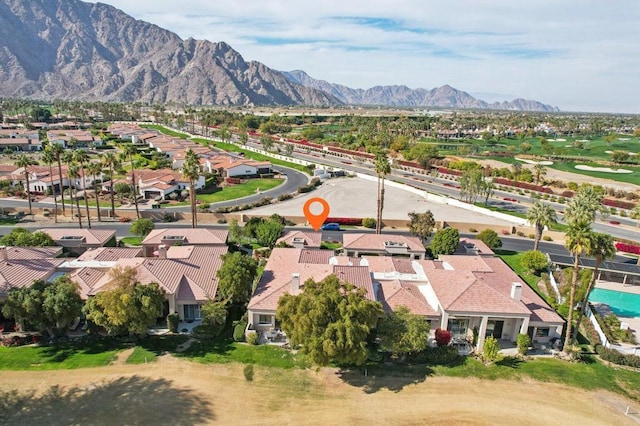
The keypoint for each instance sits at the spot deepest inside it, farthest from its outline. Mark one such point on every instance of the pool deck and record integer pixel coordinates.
(634, 322)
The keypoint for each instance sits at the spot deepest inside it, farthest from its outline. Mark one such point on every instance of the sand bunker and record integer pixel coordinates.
(630, 153)
(601, 169)
(544, 162)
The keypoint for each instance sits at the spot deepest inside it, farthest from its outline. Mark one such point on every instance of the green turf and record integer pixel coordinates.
(249, 187)
(132, 241)
(514, 260)
(141, 355)
(59, 356)
(224, 351)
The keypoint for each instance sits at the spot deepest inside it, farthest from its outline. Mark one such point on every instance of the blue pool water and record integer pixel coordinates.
(623, 304)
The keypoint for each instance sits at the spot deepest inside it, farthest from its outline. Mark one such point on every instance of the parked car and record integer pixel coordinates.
(331, 226)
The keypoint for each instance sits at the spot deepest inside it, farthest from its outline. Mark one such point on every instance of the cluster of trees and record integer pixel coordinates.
(21, 237)
(333, 321)
(264, 232)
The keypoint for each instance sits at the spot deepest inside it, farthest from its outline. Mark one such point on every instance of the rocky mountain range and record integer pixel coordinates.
(444, 96)
(70, 49)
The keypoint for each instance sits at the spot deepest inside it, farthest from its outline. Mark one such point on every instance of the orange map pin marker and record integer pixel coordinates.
(316, 220)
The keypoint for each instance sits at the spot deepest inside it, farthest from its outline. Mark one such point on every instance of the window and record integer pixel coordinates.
(542, 332)
(192, 312)
(264, 319)
(458, 327)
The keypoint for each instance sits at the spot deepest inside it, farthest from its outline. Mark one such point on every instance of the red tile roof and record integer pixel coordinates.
(30, 253)
(92, 236)
(22, 273)
(199, 236)
(395, 293)
(311, 239)
(376, 241)
(110, 254)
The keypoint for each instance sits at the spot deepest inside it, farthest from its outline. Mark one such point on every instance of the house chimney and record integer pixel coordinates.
(295, 282)
(162, 251)
(4, 256)
(516, 291)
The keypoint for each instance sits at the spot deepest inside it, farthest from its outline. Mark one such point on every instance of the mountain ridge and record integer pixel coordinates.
(70, 49)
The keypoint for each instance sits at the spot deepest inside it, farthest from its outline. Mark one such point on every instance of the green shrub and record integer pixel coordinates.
(252, 338)
(248, 372)
(490, 349)
(532, 236)
(172, 322)
(474, 230)
(238, 331)
(611, 355)
(222, 221)
(547, 238)
(523, 342)
(369, 222)
(534, 261)
(490, 238)
(284, 197)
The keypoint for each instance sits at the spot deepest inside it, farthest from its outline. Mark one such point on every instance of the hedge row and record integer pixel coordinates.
(627, 248)
(347, 221)
(618, 204)
(611, 355)
(523, 185)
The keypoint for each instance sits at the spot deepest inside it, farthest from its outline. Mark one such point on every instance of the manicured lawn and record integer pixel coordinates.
(209, 351)
(165, 131)
(330, 246)
(59, 356)
(514, 260)
(132, 241)
(92, 203)
(141, 355)
(633, 178)
(249, 187)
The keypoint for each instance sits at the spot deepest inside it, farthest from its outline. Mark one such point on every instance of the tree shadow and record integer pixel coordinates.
(510, 362)
(394, 378)
(126, 400)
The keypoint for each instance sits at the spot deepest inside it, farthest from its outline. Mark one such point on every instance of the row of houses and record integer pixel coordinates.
(471, 293)
(43, 179)
(211, 161)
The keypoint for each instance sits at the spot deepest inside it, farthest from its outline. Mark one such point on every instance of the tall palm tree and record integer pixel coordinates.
(73, 172)
(67, 157)
(24, 161)
(602, 247)
(129, 152)
(382, 168)
(541, 215)
(57, 151)
(95, 169)
(539, 170)
(82, 158)
(49, 157)
(584, 205)
(578, 241)
(191, 171)
(110, 160)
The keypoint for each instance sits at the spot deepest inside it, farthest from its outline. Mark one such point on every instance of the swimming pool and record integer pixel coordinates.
(623, 304)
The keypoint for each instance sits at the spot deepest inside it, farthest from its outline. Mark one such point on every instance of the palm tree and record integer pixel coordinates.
(49, 157)
(82, 158)
(635, 214)
(382, 168)
(57, 150)
(602, 247)
(73, 171)
(191, 171)
(24, 161)
(538, 171)
(541, 215)
(578, 241)
(129, 151)
(110, 160)
(67, 157)
(584, 205)
(95, 169)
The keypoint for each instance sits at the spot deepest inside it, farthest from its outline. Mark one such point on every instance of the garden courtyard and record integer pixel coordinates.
(177, 391)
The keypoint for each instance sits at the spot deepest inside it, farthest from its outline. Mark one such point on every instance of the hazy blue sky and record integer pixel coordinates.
(579, 55)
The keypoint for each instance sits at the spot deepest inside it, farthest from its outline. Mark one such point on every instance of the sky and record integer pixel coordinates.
(578, 55)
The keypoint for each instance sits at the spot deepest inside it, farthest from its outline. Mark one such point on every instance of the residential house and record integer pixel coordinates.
(383, 245)
(182, 237)
(301, 239)
(80, 240)
(162, 182)
(20, 266)
(188, 274)
(20, 140)
(473, 296)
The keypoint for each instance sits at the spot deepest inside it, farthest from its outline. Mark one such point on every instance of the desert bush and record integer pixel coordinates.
(534, 260)
(523, 342)
(252, 338)
(369, 222)
(172, 322)
(490, 349)
(238, 331)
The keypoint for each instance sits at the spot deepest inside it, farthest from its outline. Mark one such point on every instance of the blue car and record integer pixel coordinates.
(331, 226)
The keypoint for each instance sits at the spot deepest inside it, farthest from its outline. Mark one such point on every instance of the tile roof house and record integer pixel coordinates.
(383, 244)
(468, 294)
(20, 266)
(186, 273)
(301, 239)
(79, 240)
(183, 236)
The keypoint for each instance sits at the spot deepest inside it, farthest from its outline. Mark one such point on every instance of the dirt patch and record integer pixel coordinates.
(123, 356)
(182, 392)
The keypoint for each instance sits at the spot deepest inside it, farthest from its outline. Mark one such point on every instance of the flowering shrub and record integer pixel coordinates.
(627, 248)
(618, 204)
(348, 221)
(443, 337)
